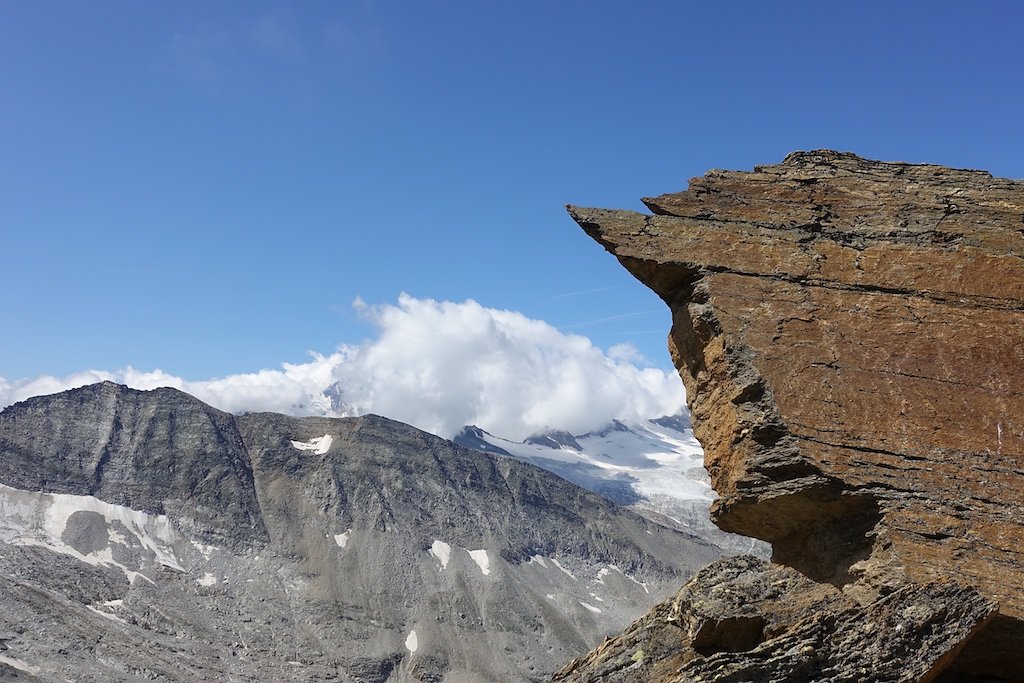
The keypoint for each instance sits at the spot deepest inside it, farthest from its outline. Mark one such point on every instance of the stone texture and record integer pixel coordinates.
(851, 337)
(742, 619)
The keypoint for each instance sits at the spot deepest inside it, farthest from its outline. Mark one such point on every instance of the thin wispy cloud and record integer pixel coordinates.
(438, 365)
(584, 292)
(611, 318)
(627, 333)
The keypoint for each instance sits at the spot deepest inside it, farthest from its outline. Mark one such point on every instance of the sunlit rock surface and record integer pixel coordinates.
(851, 337)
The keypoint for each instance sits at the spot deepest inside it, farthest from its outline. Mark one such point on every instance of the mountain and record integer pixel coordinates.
(147, 535)
(654, 467)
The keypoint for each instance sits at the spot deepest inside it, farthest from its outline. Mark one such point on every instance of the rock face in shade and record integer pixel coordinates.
(148, 536)
(851, 337)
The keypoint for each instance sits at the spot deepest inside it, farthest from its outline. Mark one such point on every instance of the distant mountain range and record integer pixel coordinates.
(147, 535)
(654, 467)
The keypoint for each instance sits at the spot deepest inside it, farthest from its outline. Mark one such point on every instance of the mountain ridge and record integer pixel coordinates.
(360, 548)
(654, 468)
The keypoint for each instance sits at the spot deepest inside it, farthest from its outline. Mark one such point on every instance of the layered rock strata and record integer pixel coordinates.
(851, 337)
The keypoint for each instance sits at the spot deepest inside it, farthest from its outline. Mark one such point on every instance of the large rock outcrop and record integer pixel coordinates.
(851, 337)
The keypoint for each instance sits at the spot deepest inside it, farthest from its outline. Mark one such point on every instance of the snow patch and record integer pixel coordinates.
(595, 610)
(207, 580)
(482, 560)
(442, 551)
(342, 539)
(563, 569)
(206, 550)
(639, 583)
(319, 445)
(412, 643)
(612, 568)
(19, 665)
(108, 615)
(538, 559)
(32, 518)
(658, 462)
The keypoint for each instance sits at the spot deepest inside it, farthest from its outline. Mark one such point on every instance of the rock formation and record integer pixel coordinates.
(851, 337)
(741, 619)
(148, 536)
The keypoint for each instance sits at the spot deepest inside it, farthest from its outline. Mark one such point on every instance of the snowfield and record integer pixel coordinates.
(88, 529)
(655, 467)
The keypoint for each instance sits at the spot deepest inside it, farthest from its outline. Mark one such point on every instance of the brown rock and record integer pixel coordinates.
(851, 337)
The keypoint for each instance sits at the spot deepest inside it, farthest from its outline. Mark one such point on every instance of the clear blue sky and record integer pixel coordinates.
(205, 187)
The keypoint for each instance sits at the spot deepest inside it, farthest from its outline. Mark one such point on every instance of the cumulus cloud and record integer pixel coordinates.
(438, 366)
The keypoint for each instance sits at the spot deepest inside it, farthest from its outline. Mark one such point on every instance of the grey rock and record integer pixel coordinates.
(555, 439)
(149, 451)
(742, 619)
(148, 536)
(472, 436)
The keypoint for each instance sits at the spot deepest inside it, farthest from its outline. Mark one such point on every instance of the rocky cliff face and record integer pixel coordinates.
(146, 535)
(851, 337)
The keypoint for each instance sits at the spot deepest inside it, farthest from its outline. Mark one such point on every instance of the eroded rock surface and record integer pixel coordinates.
(851, 337)
(742, 619)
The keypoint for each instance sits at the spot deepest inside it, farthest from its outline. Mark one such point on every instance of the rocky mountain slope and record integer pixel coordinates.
(654, 467)
(146, 535)
(851, 336)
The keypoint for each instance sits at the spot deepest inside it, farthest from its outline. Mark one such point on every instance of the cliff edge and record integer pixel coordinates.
(851, 337)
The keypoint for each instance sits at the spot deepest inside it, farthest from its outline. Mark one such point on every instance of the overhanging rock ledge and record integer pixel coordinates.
(851, 337)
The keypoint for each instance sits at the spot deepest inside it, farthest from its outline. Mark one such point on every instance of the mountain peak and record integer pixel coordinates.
(555, 439)
(307, 547)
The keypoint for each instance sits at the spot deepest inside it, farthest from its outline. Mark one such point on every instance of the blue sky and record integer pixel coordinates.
(206, 188)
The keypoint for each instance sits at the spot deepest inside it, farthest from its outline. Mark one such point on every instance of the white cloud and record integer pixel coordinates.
(439, 366)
